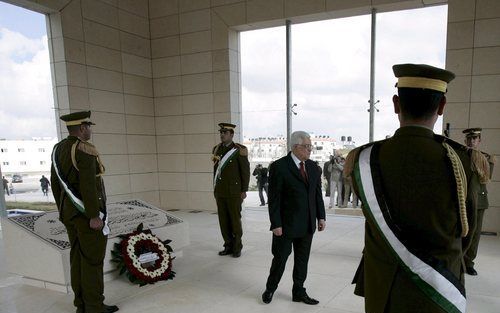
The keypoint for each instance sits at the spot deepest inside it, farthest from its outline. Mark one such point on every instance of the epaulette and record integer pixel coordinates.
(215, 157)
(454, 144)
(87, 148)
(491, 158)
(350, 160)
(353, 155)
(214, 149)
(481, 165)
(242, 148)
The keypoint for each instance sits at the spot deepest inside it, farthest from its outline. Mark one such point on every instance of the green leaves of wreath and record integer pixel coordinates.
(143, 244)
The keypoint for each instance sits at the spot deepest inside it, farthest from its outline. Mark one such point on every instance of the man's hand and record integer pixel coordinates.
(96, 223)
(321, 225)
(243, 195)
(278, 231)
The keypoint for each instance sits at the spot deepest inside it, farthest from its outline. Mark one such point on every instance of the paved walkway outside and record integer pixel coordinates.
(208, 283)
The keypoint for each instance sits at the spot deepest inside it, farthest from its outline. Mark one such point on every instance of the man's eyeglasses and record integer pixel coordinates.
(307, 146)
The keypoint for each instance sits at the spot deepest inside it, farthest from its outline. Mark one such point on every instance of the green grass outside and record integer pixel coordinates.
(36, 206)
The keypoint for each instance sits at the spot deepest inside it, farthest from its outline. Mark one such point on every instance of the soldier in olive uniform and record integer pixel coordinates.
(483, 165)
(231, 178)
(81, 200)
(418, 212)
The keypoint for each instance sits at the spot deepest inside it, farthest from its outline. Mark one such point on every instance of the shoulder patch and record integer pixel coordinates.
(87, 148)
(243, 149)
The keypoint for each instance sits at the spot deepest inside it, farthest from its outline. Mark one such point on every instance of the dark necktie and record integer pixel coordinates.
(303, 172)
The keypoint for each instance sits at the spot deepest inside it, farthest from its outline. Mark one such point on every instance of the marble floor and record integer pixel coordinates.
(208, 283)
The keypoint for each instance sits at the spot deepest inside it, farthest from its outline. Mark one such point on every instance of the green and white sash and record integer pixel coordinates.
(223, 163)
(77, 202)
(438, 287)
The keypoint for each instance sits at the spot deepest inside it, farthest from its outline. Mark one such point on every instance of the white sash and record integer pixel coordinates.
(77, 202)
(222, 164)
(433, 283)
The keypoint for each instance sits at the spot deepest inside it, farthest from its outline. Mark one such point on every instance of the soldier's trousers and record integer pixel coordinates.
(88, 248)
(471, 253)
(229, 210)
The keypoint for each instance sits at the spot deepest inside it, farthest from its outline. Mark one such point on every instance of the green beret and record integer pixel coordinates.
(422, 76)
(226, 126)
(472, 132)
(77, 118)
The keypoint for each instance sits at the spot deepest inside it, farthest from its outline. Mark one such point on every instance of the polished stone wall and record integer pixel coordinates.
(160, 74)
(473, 53)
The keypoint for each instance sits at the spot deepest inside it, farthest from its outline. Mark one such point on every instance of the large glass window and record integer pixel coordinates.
(26, 107)
(331, 76)
(331, 73)
(263, 66)
(411, 36)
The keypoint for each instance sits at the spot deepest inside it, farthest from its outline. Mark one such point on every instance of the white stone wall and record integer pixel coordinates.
(101, 61)
(160, 74)
(473, 53)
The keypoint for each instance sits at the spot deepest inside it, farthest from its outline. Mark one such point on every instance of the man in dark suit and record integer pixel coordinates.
(260, 174)
(231, 178)
(415, 189)
(295, 205)
(483, 164)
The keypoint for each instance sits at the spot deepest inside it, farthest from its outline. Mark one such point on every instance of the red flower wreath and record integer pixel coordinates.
(143, 257)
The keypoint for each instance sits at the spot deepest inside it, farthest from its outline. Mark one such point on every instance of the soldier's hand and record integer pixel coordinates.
(278, 231)
(243, 195)
(96, 223)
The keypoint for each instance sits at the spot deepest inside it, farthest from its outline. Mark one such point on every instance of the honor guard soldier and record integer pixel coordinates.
(482, 165)
(78, 189)
(231, 178)
(415, 188)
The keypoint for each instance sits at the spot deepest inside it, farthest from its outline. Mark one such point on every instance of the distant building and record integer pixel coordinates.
(266, 149)
(26, 156)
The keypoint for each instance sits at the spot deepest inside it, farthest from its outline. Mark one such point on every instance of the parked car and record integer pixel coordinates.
(16, 178)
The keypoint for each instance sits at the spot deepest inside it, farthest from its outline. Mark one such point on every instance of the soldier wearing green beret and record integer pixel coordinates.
(415, 190)
(231, 179)
(78, 188)
(482, 165)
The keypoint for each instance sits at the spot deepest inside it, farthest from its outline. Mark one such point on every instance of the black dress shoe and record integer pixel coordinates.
(305, 298)
(471, 271)
(226, 251)
(267, 296)
(109, 308)
(236, 254)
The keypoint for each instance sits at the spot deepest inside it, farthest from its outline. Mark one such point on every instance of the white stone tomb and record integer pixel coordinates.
(37, 245)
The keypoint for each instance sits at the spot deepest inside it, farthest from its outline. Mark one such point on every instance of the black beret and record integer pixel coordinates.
(77, 118)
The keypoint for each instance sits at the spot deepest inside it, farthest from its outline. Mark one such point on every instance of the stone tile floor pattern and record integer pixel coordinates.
(208, 283)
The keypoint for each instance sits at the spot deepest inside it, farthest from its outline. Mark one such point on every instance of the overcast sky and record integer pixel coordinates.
(26, 105)
(330, 70)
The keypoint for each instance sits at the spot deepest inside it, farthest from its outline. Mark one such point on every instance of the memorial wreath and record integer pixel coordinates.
(143, 257)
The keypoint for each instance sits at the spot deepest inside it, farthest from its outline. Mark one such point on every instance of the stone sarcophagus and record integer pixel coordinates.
(37, 246)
